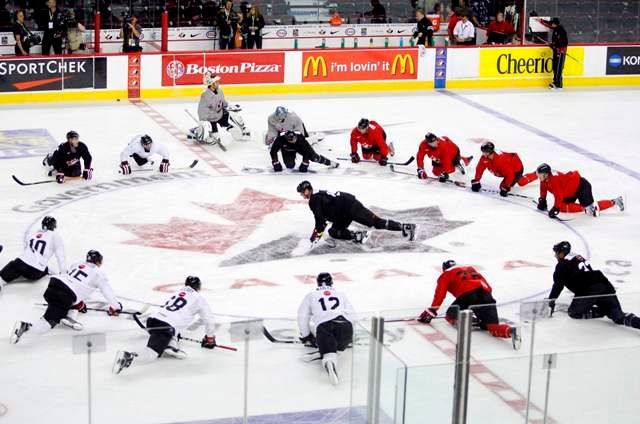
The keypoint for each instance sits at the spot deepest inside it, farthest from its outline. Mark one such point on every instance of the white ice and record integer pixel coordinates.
(596, 379)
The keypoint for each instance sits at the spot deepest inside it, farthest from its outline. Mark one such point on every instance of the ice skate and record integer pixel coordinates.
(619, 201)
(123, 360)
(72, 323)
(360, 237)
(330, 368)
(409, 231)
(19, 329)
(516, 337)
(175, 352)
(592, 210)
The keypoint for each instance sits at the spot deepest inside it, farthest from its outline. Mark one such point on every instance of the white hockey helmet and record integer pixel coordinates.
(209, 78)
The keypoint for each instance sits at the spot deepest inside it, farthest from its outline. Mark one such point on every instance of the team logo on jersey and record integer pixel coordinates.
(182, 294)
(326, 293)
(39, 235)
(25, 143)
(81, 266)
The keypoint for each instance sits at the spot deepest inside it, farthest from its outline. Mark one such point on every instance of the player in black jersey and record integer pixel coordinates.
(594, 294)
(65, 161)
(341, 209)
(292, 143)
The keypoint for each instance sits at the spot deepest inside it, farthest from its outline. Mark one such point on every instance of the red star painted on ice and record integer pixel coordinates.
(246, 212)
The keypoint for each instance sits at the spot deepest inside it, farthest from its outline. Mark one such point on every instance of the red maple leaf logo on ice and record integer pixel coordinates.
(246, 214)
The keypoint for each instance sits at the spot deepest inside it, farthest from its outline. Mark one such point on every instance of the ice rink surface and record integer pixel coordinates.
(239, 230)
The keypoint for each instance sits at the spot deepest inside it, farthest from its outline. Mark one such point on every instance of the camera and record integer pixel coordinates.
(69, 18)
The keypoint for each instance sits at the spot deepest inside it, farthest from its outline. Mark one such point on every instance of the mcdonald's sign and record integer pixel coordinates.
(405, 61)
(359, 65)
(316, 64)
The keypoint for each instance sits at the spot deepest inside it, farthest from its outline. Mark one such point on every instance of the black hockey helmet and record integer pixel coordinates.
(555, 21)
(145, 140)
(193, 282)
(363, 124)
(303, 186)
(49, 223)
(449, 263)
(291, 136)
(488, 147)
(562, 247)
(324, 279)
(430, 137)
(281, 113)
(94, 257)
(72, 134)
(543, 168)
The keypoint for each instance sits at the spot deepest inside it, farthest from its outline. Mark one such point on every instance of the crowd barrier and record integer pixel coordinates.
(157, 75)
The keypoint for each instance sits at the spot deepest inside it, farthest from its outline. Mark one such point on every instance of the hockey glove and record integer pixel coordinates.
(553, 212)
(277, 166)
(444, 177)
(87, 174)
(309, 341)
(304, 167)
(355, 157)
(125, 168)
(421, 174)
(552, 307)
(435, 163)
(115, 312)
(60, 177)
(475, 186)
(164, 166)
(383, 161)
(81, 307)
(427, 315)
(504, 192)
(208, 342)
(542, 204)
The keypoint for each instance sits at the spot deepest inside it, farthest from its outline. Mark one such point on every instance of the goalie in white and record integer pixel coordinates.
(332, 314)
(283, 120)
(141, 148)
(165, 325)
(213, 110)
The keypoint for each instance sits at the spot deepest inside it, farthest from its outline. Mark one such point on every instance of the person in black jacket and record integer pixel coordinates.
(424, 29)
(52, 23)
(65, 161)
(291, 143)
(341, 209)
(594, 294)
(559, 43)
(21, 34)
(252, 27)
(227, 21)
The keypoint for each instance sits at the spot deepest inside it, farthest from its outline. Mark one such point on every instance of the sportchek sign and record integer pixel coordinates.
(233, 68)
(18, 75)
(358, 65)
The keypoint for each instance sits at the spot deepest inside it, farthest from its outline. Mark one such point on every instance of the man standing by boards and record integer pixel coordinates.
(559, 43)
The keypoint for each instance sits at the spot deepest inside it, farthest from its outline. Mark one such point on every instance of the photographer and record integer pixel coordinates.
(53, 24)
(227, 21)
(22, 35)
(130, 34)
(74, 39)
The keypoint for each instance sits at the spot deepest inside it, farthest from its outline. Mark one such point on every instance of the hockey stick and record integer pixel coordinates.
(397, 171)
(184, 168)
(411, 159)
(22, 183)
(549, 45)
(546, 213)
(180, 337)
(251, 170)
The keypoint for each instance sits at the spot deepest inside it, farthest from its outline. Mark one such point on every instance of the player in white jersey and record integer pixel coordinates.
(141, 148)
(69, 291)
(39, 247)
(166, 324)
(332, 314)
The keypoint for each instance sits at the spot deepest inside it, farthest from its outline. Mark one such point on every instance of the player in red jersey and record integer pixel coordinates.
(567, 189)
(469, 288)
(508, 166)
(373, 140)
(445, 157)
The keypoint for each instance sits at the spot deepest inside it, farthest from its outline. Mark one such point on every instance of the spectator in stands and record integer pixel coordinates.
(130, 34)
(245, 7)
(21, 34)
(74, 40)
(227, 21)
(424, 29)
(437, 10)
(254, 24)
(500, 31)
(378, 13)
(336, 19)
(53, 25)
(480, 11)
(454, 17)
(464, 32)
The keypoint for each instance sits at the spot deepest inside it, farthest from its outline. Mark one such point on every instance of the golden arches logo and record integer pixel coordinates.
(405, 61)
(316, 63)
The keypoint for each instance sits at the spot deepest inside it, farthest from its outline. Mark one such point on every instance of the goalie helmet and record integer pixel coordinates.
(487, 147)
(448, 264)
(210, 78)
(94, 257)
(193, 282)
(562, 247)
(281, 113)
(543, 169)
(324, 279)
(49, 223)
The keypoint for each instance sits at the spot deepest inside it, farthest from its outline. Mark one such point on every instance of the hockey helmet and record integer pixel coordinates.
(543, 169)
(281, 113)
(324, 279)
(487, 147)
(363, 124)
(72, 134)
(94, 257)
(450, 263)
(49, 223)
(210, 78)
(291, 136)
(145, 140)
(562, 247)
(430, 137)
(193, 282)
(303, 186)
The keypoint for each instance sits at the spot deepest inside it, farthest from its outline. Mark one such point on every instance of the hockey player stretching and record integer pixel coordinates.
(141, 148)
(594, 295)
(165, 325)
(470, 288)
(444, 154)
(341, 209)
(290, 144)
(281, 121)
(65, 160)
(371, 136)
(567, 189)
(332, 314)
(507, 166)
